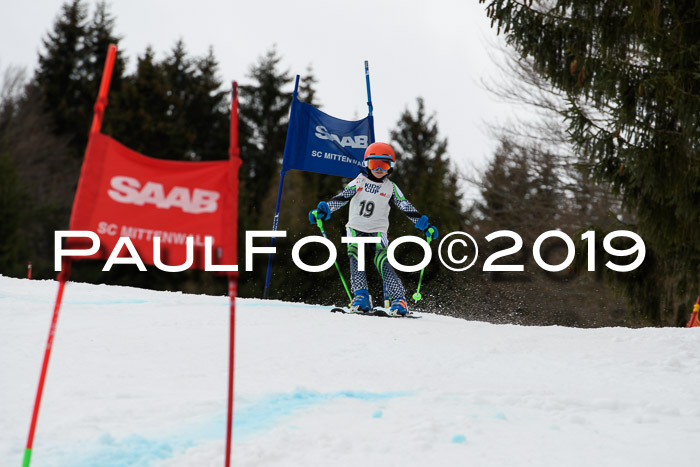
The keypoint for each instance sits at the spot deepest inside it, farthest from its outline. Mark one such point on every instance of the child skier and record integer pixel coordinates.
(369, 195)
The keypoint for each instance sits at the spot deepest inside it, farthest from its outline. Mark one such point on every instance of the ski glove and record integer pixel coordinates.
(322, 212)
(424, 226)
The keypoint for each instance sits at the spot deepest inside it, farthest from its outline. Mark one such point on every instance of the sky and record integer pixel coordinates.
(440, 50)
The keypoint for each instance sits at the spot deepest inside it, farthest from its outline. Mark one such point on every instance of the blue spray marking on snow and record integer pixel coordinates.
(128, 451)
(266, 413)
(249, 419)
(459, 439)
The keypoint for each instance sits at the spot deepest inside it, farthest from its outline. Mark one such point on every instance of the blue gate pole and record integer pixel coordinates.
(266, 292)
(369, 104)
(369, 94)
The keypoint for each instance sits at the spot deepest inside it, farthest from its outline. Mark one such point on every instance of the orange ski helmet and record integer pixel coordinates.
(380, 151)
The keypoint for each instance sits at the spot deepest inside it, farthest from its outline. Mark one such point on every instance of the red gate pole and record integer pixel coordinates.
(234, 157)
(100, 105)
(62, 278)
(232, 289)
(101, 102)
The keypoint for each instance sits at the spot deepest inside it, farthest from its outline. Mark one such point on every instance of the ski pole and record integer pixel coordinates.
(417, 296)
(319, 223)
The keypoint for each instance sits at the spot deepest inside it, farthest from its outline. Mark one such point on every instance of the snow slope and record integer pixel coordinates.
(138, 377)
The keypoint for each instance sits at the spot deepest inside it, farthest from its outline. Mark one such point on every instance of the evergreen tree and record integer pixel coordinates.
(14, 204)
(264, 116)
(57, 75)
(71, 67)
(99, 36)
(629, 74)
(523, 189)
(307, 88)
(423, 169)
(178, 73)
(173, 109)
(424, 174)
(137, 115)
(264, 113)
(208, 111)
(530, 190)
(10, 96)
(39, 177)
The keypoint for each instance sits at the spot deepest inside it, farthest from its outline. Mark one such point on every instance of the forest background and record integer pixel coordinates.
(598, 156)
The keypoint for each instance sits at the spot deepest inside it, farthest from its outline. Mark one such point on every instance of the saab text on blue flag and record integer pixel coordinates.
(317, 142)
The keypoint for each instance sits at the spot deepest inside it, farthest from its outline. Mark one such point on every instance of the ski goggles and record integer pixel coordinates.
(378, 164)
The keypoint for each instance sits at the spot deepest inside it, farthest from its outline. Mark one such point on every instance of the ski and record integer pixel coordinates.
(381, 312)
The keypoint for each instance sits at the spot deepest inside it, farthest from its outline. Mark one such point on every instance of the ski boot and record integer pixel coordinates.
(398, 306)
(361, 303)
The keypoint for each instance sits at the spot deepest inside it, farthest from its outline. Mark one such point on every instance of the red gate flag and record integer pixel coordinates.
(122, 193)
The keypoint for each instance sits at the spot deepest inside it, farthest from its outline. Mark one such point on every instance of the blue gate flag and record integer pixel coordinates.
(318, 142)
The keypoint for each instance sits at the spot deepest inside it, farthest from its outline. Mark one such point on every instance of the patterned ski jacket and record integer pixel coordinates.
(369, 200)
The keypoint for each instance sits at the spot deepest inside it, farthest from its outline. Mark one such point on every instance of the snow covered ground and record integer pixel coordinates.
(138, 377)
